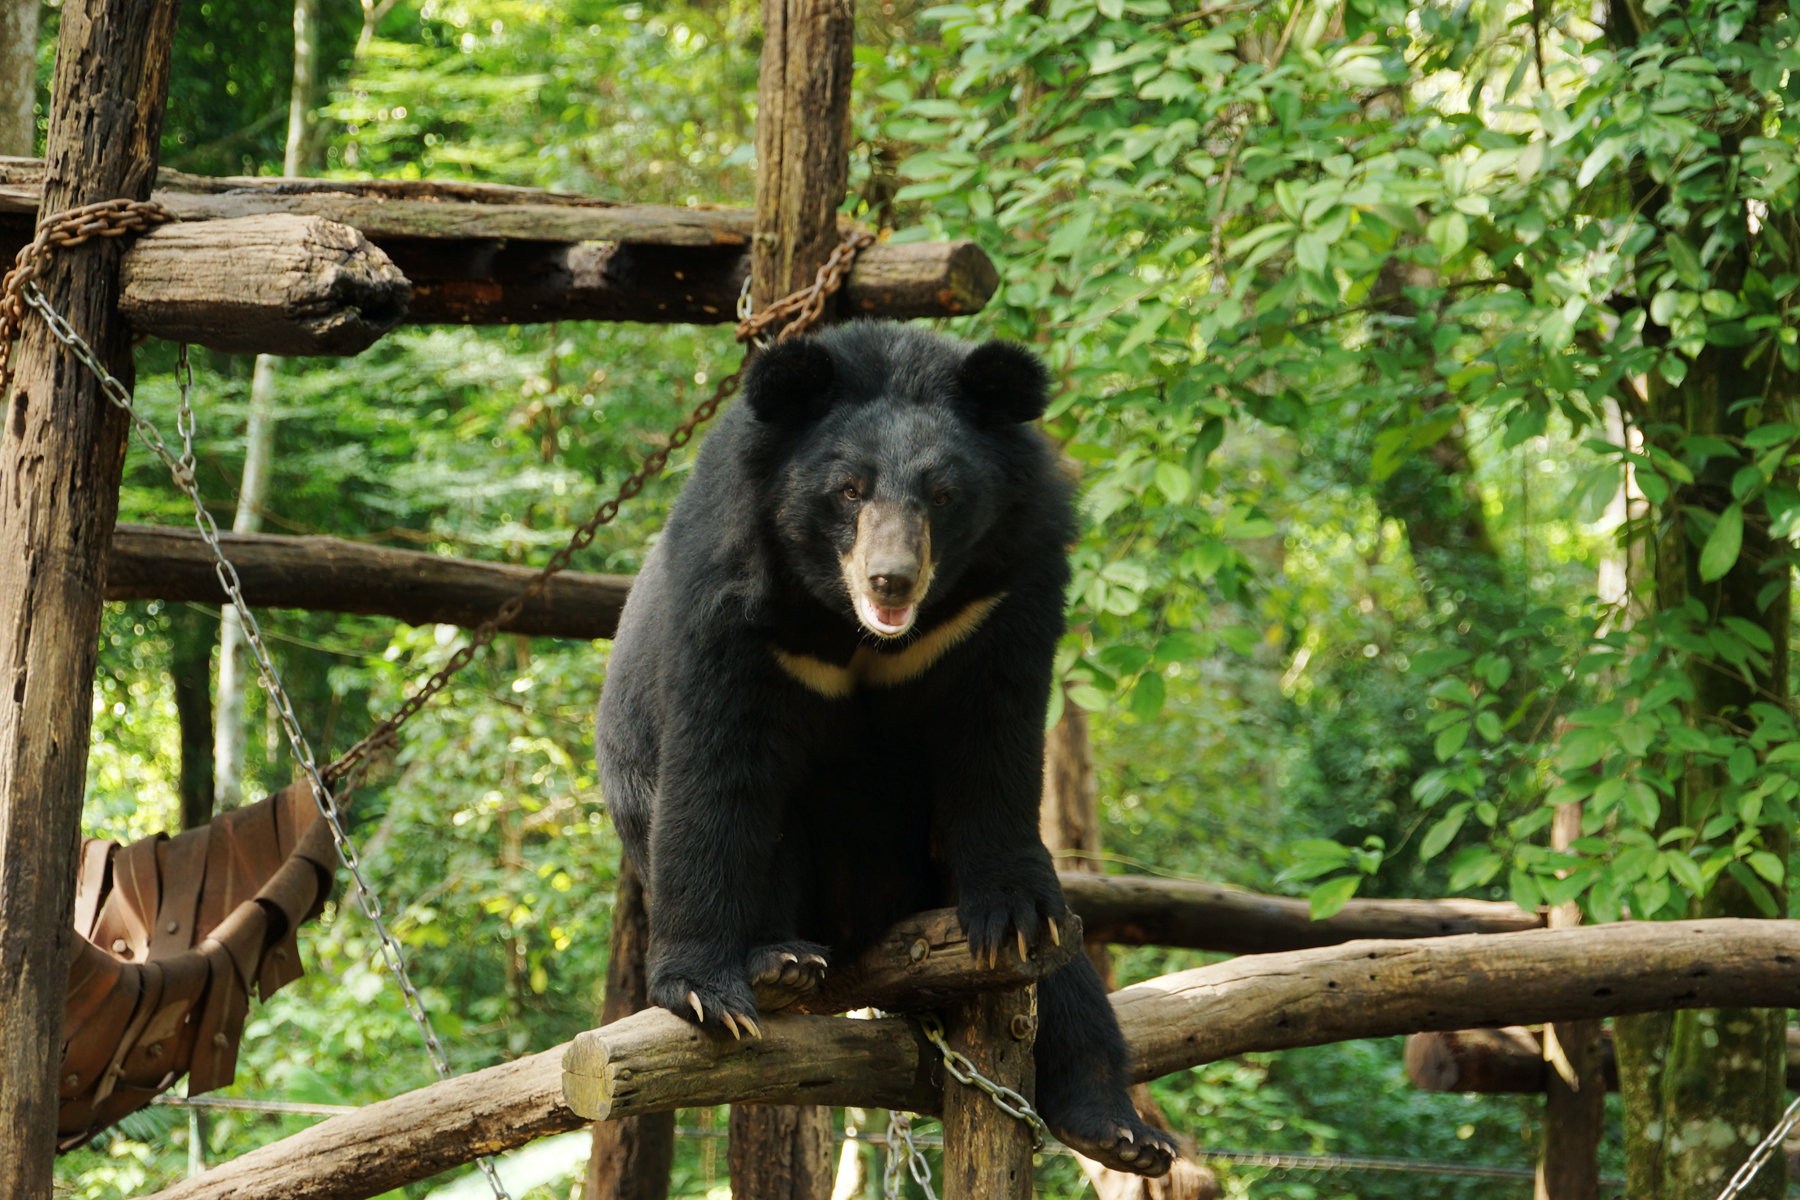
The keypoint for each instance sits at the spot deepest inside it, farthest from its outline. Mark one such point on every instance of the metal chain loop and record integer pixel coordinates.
(107, 219)
(1763, 1152)
(1005, 1099)
(899, 1132)
(802, 309)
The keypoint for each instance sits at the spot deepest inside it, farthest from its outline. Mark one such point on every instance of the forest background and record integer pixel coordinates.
(1430, 369)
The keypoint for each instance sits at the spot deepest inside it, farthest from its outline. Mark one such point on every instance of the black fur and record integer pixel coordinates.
(769, 818)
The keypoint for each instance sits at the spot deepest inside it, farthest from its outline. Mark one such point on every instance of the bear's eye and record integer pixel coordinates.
(850, 492)
(939, 499)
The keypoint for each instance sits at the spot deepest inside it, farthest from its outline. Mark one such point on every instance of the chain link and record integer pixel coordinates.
(1763, 1152)
(802, 309)
(899, 1132)
(1005, 1099)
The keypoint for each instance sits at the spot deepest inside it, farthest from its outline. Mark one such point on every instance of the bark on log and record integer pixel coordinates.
(279, 284)
(61, 453)
(1381, 988)
(779, 1151)
(655, 1061)
(987, 1154)
(631, 1157)
(1137, 911)
(324, 574)
(1510, 1062)
(489, 254)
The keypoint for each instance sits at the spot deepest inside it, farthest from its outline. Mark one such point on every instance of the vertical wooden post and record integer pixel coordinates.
(802, 170)
(1575, 1096)
(61, 455)
(987, 1154)
(631, 1156)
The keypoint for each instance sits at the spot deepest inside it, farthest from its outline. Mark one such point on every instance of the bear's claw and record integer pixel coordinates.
(782, 974)
(1146, 1151)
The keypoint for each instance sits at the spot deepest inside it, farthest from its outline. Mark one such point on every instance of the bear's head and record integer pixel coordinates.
(893, 456)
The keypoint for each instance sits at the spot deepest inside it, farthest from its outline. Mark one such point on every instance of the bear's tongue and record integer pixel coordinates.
(894, 617)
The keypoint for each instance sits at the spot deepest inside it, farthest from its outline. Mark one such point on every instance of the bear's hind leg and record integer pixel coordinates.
(1081, 1076)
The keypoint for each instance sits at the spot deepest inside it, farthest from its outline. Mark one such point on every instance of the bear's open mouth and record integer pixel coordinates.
(883, 621)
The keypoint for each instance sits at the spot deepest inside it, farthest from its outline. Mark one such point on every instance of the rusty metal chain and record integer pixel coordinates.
(802, 310)
(107, 219)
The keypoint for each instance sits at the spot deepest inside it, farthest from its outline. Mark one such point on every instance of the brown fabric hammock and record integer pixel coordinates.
(175, 932)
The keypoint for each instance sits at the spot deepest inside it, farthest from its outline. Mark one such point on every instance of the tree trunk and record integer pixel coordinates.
(229, 730)
(1712, 1080)
(191, 641)
(1575, 1095)
(987, 1152)
(61, 454)
(631, 1156)
(18, 77)
(802, 169)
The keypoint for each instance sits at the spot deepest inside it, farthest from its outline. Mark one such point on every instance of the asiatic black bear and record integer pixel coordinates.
(825, 705)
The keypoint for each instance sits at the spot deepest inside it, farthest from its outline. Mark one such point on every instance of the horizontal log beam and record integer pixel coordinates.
(1135, 910)
(1510, 1061)
(325, 574)
(1262, 1002)
(277, 284)
(487, 254)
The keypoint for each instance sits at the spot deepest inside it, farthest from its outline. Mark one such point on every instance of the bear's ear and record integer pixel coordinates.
(1003, 383)
(790, 382)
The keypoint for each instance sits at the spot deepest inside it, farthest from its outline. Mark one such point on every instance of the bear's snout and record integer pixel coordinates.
(888, 571)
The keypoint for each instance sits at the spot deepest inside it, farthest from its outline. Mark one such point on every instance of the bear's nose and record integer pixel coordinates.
(892, 584)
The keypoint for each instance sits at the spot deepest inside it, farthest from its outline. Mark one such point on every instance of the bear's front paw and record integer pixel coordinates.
(998, 917)
(713, 1002)
(781, 974)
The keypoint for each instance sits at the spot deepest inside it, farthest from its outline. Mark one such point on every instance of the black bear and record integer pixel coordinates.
(825, 704)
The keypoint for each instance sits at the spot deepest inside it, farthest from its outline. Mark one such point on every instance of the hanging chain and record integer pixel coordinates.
(107, 219)
(1005, 1099)
(899, 1132)
(1764, 1150)
(182, 470)
(802, 309)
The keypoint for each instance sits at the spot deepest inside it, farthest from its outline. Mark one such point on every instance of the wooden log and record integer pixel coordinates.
(779, 1151)
(292, 285)
(987, 1153)
(924, 962)
(802, 169)
(1137, 911)
(489, 254)
(61, 454)
(325, 574)
(655, 1061)
(1382, 988)
(631, 1157)
(1510, 1061)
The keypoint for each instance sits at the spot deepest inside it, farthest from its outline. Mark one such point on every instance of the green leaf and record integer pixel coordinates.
(1685, 871)
(1434, 662)
(1147, 697)
(1487, 723)
(1686, 261)
(1723, 544)
(1173, 481)
(1768, 866)
(1474, 866)
(1451, 740)
(1329, 898)
(1443, 832)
